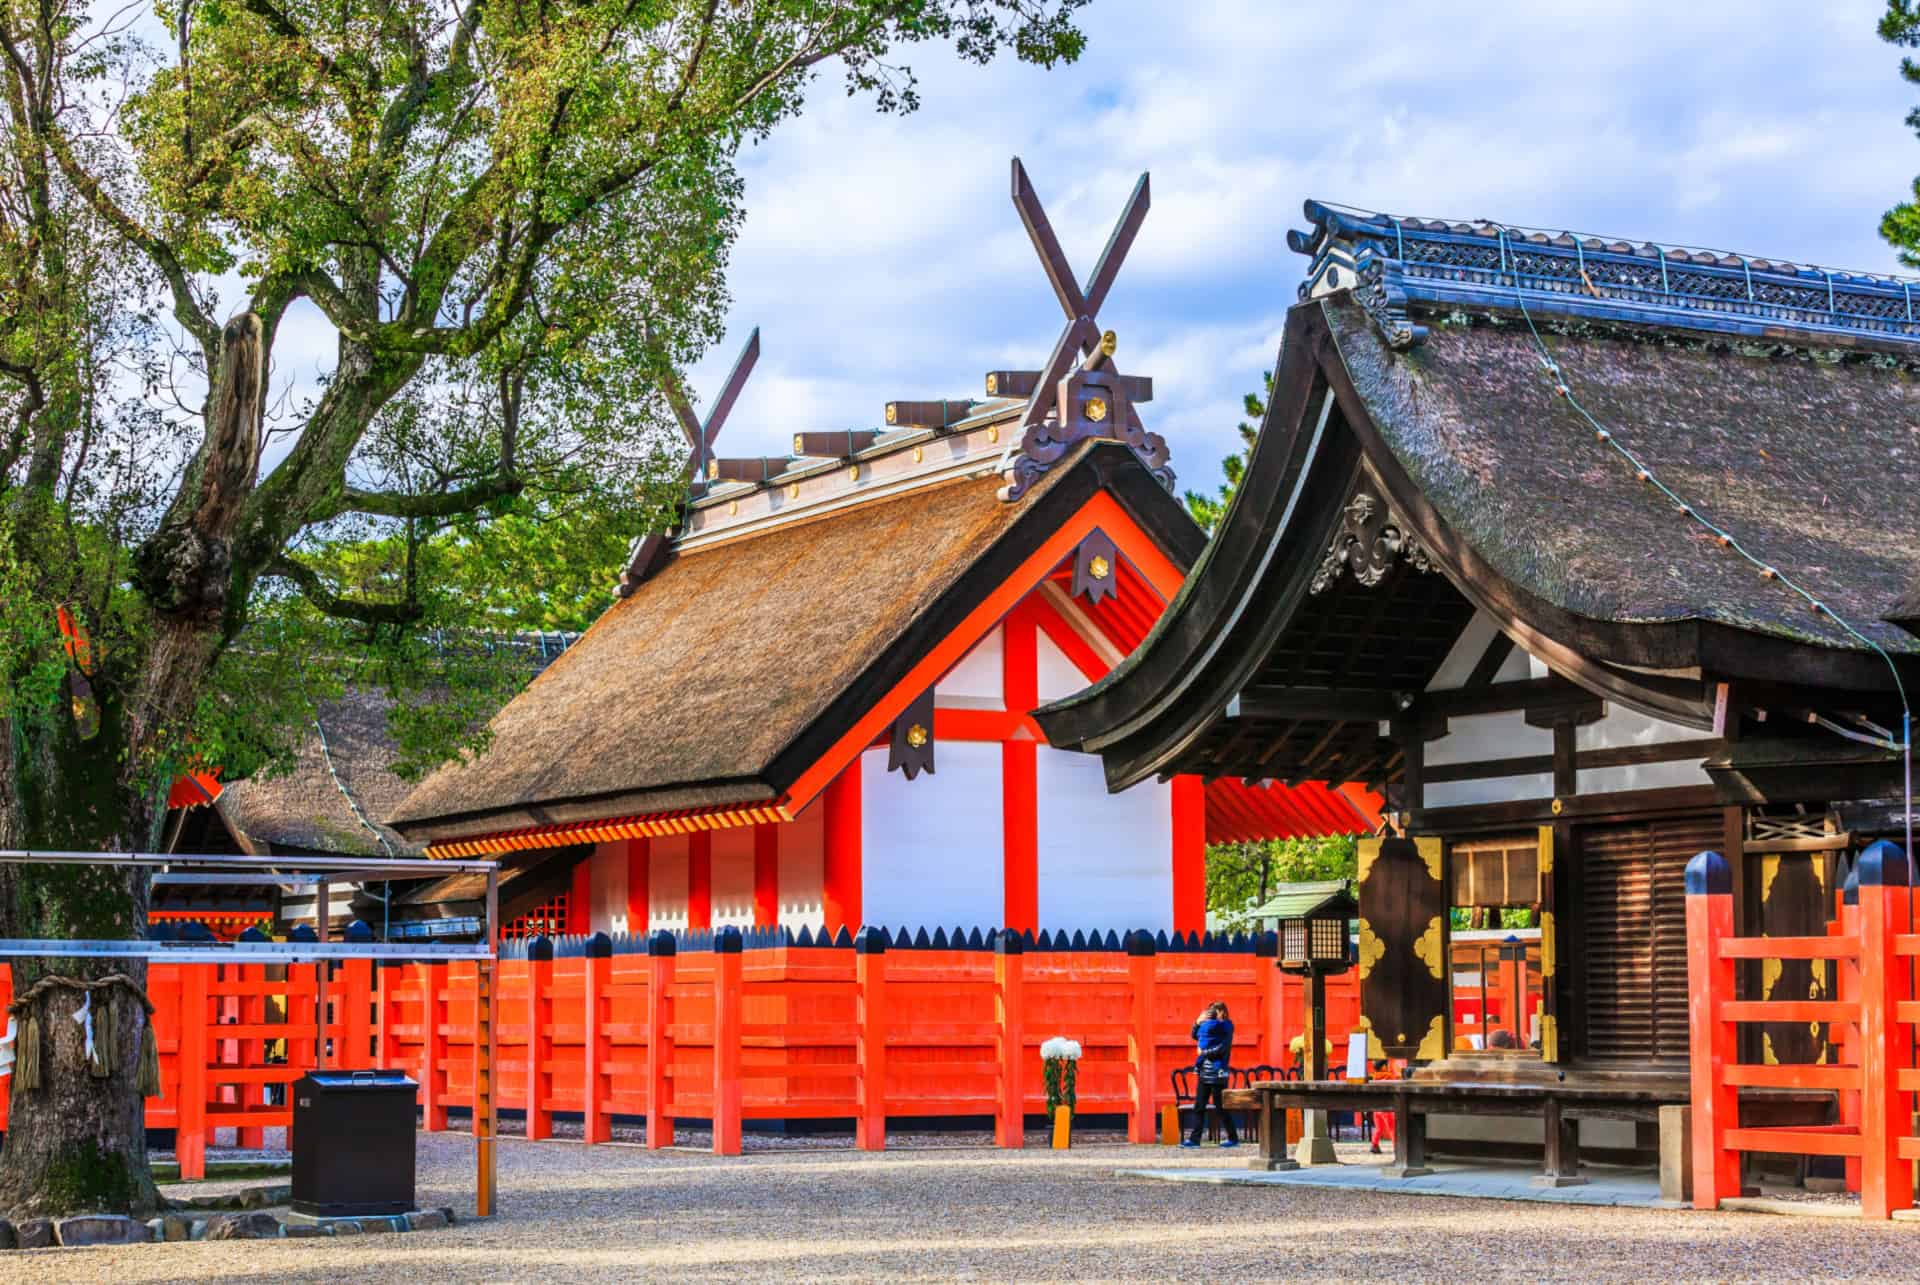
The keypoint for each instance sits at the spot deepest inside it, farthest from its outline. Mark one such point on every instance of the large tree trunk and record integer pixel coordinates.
(78, 1142)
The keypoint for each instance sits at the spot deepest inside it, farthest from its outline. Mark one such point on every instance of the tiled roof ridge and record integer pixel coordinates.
(1396, 263)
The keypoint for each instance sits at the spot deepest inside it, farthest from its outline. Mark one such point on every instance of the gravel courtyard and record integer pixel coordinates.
(620, 1213)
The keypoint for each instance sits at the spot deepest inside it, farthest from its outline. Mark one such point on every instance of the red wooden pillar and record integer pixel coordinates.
(354, 1051)
(1847, 991)
(1273, 1001)
(870, 975)
(387, 1051)
(539, 1038)
(190, 1121)
(580, 899)
(1020, 801)
(596, 1047)
(766, 874)
(1142, 1064)
(700, 879)
(660, 961)
(727, 1097)
(841, 894)
(1712, 1046)
(434, 981)
(1009, 975)
(1189, 855)
(639, 885)
(1886, 1182)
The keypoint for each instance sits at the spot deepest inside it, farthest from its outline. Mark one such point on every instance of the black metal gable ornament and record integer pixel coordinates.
(910, 748)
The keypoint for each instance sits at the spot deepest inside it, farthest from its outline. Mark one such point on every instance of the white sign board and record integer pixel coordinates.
(1357, 1055)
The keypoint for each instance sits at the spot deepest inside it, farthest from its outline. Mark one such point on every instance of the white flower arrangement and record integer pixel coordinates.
(1060, 1047)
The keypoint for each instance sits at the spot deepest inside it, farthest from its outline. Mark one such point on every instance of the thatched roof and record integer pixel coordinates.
(1806, 460)
(307, 808)
(733, 666)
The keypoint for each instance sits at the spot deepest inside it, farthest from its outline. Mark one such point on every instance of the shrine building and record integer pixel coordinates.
(1591, 555)
(811, 703)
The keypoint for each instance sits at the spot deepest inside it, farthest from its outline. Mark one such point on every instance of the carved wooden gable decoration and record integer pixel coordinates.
(1081, 393)
(1404, 988)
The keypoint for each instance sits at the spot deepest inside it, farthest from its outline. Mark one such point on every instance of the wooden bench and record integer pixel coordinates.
(1559, 1106)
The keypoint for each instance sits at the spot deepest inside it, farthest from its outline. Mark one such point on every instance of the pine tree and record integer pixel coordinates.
(1900, 25)
(1207, 510)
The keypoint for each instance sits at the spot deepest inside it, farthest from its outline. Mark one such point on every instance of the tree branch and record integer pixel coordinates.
(442, 504)
(329, 603)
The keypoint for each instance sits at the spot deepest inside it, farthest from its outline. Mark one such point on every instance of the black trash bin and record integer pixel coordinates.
(352, 1143)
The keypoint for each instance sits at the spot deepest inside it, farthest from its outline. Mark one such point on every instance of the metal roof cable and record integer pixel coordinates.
(326, 755)
(1727, 540)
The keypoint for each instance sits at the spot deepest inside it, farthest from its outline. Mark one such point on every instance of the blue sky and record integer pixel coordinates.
(882, 258)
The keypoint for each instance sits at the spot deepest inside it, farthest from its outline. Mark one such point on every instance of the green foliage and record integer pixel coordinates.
(1241, 876)
(1900, 226)
(1207, 510)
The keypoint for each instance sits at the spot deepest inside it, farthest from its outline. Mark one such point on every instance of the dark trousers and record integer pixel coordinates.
(1216, 1093)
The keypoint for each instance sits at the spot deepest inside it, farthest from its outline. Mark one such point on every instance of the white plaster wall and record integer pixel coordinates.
(1623, 727)
(1058, 676)
(802, 869)
(1489, 736)
(1106, 860)
(933, 849)
(1467, 650)
(976, 682)
(607, 883)
(733, 877)
(667, 883)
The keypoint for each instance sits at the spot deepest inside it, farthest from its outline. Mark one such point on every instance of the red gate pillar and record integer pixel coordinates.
(593, 1054)
(660, 959)
(1009, 969)
(1846, 981)
(1142, 1064)
(870, 973)
(727, 1097)
(190, 1126)
(1716, 1104)
(434, 982)
(539, 1037)
(1886, 1183)
(841, 873)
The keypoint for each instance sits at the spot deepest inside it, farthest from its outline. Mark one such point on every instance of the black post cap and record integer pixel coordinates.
(662, 942)
(1007, 942)
(1140, 944)
(1266, 944)
(870, 941)
(598, 946)
(1708, 875)
(1884, 865)
(303, 932)
(540, 947)
(359, 930)
(727, 941)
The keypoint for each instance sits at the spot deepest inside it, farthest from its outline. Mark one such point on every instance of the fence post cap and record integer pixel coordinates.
(1884, 865)
(598, 946)
(1266, 944)
(727, 941)
(870, 941)
(1708, 875)
(661, 942)
(1140, 944)
(359, 930)
(540, 947)
(1007, 942)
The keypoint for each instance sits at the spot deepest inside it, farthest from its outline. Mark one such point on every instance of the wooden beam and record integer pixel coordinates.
(937, 414)
(1582, 761)
(1021, 383)
(747, 470)
(1489, 663)
(1317, 704)
(1500, 698)
(833, 445)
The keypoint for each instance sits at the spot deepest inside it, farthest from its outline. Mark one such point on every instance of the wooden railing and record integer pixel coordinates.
(1871, 1026)
(724, 1028)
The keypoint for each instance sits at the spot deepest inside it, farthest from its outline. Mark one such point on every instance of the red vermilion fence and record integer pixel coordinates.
(723, 1030)
(1870, 1023)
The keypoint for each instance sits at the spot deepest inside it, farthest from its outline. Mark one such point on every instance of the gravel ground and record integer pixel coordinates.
(620, 1213)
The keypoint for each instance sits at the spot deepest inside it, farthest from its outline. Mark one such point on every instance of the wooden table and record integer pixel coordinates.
(1559, 1106)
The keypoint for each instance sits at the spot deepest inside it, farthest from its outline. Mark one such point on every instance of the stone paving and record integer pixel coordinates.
(1478, 1182)
(617, 1213)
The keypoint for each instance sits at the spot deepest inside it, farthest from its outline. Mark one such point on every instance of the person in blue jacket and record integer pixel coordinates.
(1213, 1036)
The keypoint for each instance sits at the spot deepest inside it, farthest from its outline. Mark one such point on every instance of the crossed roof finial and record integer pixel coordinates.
(1080, 393)
(643, 556)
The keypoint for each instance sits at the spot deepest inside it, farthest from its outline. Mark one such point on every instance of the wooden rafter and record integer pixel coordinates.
(645, 554)
(1080, 392)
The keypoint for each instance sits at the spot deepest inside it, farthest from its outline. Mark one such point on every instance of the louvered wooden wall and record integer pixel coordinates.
(1636, 936)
